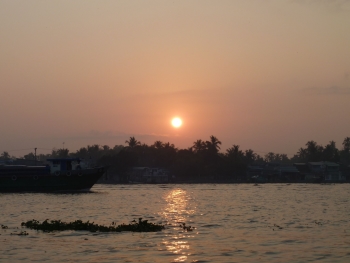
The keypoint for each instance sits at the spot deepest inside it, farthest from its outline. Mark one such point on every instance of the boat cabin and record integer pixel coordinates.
(64, 164)
(332, 172)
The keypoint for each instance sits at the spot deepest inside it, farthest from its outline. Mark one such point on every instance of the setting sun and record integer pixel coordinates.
(176, 122)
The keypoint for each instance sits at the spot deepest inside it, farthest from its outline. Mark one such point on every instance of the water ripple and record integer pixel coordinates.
(231, 223)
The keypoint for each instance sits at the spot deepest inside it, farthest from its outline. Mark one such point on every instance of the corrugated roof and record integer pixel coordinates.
(289, 169)
(331, 164)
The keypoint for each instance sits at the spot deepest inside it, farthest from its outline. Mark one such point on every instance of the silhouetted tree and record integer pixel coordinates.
(158, 145)
(29, 156)
(5, 156)
(331, 153)
(250, 156)
(117, 148)
(270, 157)
(62, 153)
(312, 153)
(201, 162)
(199, 146)
(82, 153)
(106, 148)
(345, 156)
(94, 151)
(301, 155)
(235, 161)
(346, 144)
(235, 152)
(132, 142)
(213, 145)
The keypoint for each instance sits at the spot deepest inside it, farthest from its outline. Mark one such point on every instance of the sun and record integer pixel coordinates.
(176, 122)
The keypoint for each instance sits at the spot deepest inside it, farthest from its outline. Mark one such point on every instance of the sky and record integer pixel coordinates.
(265, 75)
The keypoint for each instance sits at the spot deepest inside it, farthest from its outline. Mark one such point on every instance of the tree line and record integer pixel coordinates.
(201, 161)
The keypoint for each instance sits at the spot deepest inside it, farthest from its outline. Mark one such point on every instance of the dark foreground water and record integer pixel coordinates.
(234, 223)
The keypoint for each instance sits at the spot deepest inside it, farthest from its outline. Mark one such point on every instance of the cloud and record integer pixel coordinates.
(209, 96)
(331, 5)
(113, 135)
(333, 90)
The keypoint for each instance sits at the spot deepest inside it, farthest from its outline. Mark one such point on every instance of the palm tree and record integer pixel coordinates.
(158, 145)
(81, 153)
(213, 144)
(198, 145)
(346, 144)
(132, 142)
(330, 152)
(345, 153)
(270, 157)
(250, 156)
(302, 154)
(189, 149)
(284, 158)
(168, 145)
(314, 151)
(234, 151)
(235, 161)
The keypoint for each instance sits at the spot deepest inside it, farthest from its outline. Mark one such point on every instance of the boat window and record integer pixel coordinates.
(69, 166)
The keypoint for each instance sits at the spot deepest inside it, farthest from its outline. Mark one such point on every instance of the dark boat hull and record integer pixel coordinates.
(77, 180)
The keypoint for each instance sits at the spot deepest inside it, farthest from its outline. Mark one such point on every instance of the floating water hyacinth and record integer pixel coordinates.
(186, 228)
(58, 225)
(22, 233)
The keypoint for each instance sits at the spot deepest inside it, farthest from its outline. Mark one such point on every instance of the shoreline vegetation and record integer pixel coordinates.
(79, 225)
(200, 163)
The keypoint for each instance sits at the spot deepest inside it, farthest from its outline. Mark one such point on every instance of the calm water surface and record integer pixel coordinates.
(233, 223)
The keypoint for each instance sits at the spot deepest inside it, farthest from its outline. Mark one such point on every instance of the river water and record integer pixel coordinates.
(233, 223)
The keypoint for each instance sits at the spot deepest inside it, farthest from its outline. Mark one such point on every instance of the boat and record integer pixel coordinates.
(60, 174)
(146, 175)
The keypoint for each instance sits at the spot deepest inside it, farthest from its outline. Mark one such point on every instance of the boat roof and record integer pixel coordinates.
(22, 167)
(316, 163)
(63, 159)
(289, 169)
(331, 164)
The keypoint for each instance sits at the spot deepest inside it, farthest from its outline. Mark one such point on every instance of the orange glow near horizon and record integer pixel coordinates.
(174, 71)
(176, 122)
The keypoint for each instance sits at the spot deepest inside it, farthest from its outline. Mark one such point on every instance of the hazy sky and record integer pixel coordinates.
(266, 75)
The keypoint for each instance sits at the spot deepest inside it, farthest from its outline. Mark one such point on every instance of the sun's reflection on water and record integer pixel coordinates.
(178, 209)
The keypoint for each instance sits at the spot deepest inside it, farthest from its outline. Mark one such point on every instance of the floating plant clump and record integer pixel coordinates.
(58, 225)
(186, 228)
(22, 233)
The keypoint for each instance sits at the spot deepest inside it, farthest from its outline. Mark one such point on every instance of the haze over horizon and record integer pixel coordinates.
(265, 75)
